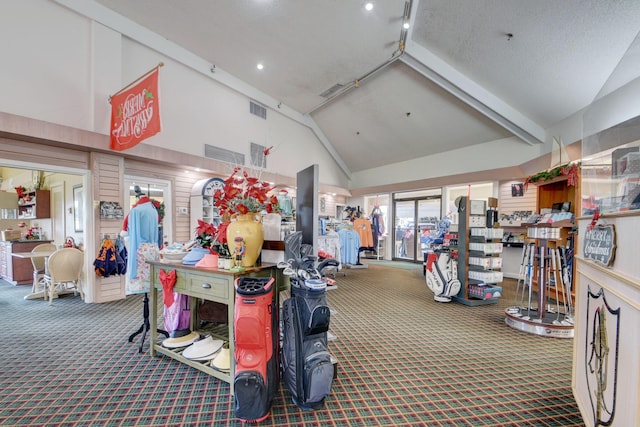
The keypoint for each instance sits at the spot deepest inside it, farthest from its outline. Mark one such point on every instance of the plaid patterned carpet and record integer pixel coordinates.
(404, 360)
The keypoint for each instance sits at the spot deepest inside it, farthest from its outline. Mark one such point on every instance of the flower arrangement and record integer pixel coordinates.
(213, 238)
(32, 233)
(159, 207)
(243, 194)
(20, 190)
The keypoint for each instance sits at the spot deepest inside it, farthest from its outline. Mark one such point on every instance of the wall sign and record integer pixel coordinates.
(600, 244)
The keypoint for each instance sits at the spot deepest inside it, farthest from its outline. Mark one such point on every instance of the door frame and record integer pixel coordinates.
(166, 185)
(416, 222)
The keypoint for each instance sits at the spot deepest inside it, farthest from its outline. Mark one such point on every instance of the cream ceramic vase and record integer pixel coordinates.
(249, 227)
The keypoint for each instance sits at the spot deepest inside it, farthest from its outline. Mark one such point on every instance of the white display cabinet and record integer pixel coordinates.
(203, 201)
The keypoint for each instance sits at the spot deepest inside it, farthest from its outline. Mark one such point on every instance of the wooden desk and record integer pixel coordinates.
(209, 284)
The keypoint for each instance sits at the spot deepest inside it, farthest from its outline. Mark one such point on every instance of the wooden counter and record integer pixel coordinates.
(207, 284)
(17, 271)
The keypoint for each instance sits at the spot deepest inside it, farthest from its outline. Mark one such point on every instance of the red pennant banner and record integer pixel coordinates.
(135, 113)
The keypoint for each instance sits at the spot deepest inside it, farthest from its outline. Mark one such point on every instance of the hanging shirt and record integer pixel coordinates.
(285, 203)
(349, 246)
(363, 227)
(143, 228)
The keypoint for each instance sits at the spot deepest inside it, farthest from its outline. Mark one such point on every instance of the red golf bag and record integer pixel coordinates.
(256, 337)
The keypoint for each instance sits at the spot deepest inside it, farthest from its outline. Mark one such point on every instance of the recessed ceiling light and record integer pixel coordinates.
(260, 66)
(405, 25)
(368, 6)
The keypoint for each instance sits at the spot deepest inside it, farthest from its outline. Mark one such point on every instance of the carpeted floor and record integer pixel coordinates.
(404, 360)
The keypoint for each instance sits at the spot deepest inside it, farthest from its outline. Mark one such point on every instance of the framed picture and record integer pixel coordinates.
(78, 207)
(517, 189)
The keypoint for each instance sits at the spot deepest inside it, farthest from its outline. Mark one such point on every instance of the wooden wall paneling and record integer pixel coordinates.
(507, 204)
(43, 154)
(181, 183)
(108, 181)
(184, 230)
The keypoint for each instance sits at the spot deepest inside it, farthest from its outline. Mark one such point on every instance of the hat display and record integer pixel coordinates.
(182, 341)
(195, 255)
(204, 349)
(208, 261)
(222, 361)
(180, 333)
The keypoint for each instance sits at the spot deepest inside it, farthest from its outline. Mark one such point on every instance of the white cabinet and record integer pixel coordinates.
(203, 201)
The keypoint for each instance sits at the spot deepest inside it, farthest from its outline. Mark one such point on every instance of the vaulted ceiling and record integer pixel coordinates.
(463, 73)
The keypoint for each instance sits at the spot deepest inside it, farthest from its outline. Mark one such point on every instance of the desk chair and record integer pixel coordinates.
(64, 269)
(39, 266)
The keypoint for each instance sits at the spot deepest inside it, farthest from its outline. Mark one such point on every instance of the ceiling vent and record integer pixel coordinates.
(258, 158)
(333, 89)
(223, 155)
(257, 110)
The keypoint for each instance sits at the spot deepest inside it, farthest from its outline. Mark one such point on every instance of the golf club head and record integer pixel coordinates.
(292, 246)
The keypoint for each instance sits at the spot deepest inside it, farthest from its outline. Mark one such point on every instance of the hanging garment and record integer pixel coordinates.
(363, 227)
(377, 226)
(349, 246)
(121, 256)
(177, 317)
(143, 246)
(106, 263)
(142, 283)
(143, 228)
(168, 281)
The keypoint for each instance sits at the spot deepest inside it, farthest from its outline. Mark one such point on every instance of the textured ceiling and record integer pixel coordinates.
(558, 59)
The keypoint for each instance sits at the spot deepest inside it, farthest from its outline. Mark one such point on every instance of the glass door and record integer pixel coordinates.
(428, 219)
(158, 190)
(404, 229)
(415, 224)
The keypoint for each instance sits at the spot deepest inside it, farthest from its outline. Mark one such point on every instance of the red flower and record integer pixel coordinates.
(205, 227)
(207, 235)
(243, 194)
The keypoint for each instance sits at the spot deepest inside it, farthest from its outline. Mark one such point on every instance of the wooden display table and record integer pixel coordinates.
(209, 284)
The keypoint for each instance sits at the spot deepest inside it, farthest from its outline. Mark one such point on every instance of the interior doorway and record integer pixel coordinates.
(415, 216)
(156, 189)
(60, 182)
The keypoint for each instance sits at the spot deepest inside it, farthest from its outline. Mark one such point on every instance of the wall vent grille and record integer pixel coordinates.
(333, 89)
(257, 110)
(224, 155)
(258, 158)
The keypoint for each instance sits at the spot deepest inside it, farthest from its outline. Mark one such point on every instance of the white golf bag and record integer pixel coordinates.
(442, 276)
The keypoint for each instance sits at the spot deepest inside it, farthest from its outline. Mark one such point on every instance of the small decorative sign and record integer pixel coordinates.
(600, 244)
